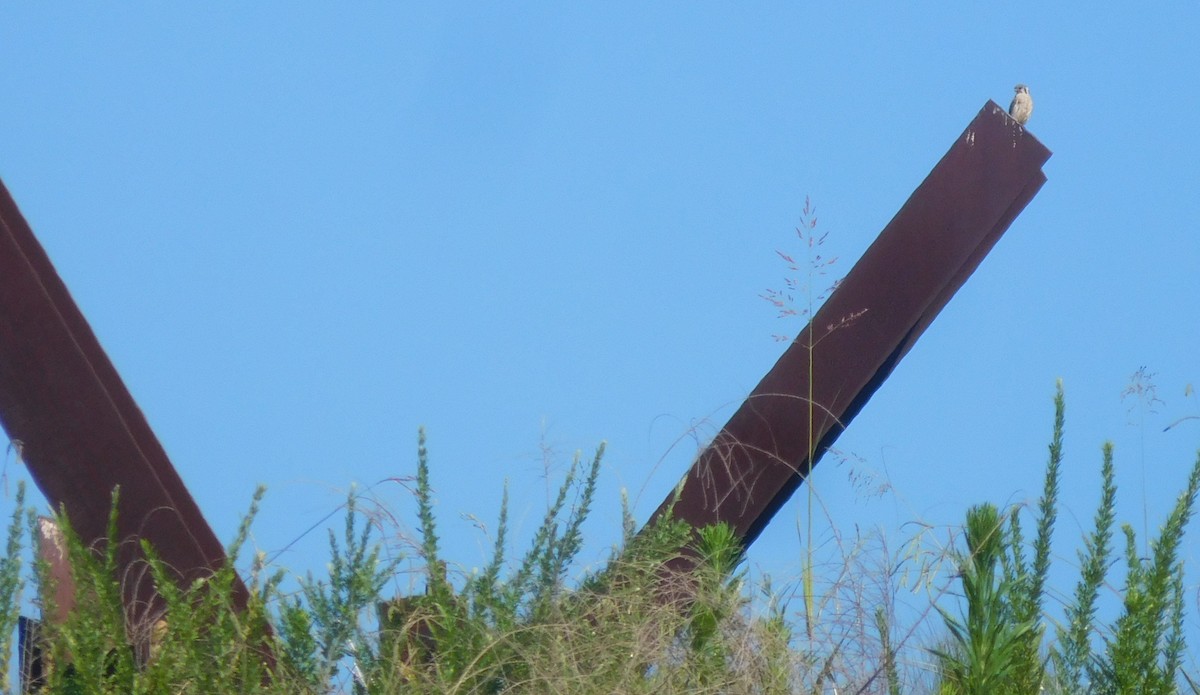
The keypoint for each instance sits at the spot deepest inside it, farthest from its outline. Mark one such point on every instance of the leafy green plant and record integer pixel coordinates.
(11, 582)
(998, 646)
(1027, 580)
(102, 647)
(1145, 650)
(637, 624)
(331, 630)
(626, 627)
(891, 673)
(987, 643)
(89, 652)
(1073, 657)
(204, 622)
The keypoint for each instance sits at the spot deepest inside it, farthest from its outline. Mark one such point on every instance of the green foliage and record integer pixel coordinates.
(10, 581)
(330, 630)
(719, 595)
(986, 651)
(998, 647)
(669, 611)
(889, 654)
(102, 648)
(1143, 654)
(204, 622)
(89, 651)
(633, 626)
(1073, 657)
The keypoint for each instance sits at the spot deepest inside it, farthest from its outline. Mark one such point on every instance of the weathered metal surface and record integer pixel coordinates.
(81, 433)
(52, 553)
(893, 293)
(78, 429)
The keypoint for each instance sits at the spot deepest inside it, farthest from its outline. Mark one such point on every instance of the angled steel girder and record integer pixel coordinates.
(78, 429)
(896, 289)
(81, 433)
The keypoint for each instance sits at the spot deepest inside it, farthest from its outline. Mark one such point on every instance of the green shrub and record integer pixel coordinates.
(636, 625)
(998, 647)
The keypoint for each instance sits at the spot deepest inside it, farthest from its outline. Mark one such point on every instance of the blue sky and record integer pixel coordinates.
(301, 231)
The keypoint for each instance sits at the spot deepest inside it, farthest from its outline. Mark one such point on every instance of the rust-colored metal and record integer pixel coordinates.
(52, 552)
(867, 325)
(78, 429)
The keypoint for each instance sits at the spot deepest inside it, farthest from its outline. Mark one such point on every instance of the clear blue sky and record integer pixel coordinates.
(301, 231)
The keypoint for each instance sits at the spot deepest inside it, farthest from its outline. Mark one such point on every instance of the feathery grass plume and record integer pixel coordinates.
(800, 298)
(805, 289)
(801, 281)
(1144, 393)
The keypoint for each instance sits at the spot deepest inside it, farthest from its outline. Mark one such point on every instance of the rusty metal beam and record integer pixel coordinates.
(79, 430)
(893, 293)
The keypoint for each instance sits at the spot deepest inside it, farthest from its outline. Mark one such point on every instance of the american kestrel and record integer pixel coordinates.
(1022, 105)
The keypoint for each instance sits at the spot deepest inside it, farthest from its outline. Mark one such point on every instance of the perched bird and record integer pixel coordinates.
(1022, 105)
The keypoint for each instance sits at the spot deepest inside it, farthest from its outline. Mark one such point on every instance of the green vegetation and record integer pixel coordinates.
(529, 625)
(999, 648)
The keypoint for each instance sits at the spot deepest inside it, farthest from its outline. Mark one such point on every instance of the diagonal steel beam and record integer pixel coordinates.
(867, 325)
(79, 430)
